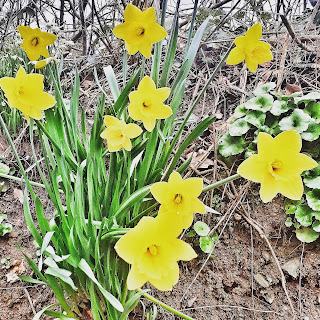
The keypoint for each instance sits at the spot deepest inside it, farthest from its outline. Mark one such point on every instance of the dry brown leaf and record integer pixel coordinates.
(196, 159)
(291, 88)
(17, 268)
(18, 194)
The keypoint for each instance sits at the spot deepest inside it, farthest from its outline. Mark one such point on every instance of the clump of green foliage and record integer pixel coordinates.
(270, 112)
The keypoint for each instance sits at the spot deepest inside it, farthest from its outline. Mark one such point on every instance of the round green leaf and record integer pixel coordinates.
(265, 88)
(313, 110)
(206, 244)
(312, 178)
(4, 168)
(239, 127)
(279, 107)
(315, 95)
(240, 111)
(316, 226)
(316, 214)
(312, 133)
(313, 199)
(201, 228)
(256, 118)
(303, 215)
(262, 103)
(288, 222)
(307, 235)
(298, 121)
(229, 145)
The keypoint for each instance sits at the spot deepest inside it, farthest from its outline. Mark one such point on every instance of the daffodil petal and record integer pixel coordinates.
(48, 38)
(132, 48)
(254, 33)
(292, 189)
(252, 168)
(236, 56)
(268, 189)
(252, 64)
(145, 50)
(159, 191)
(162, 94)
(133, 130)
(135, 278)
(175, 178)
(147, 84)
(25, 31)
(111, 121)
(289, 140)
(186, 252)
(156, 33)
(165, 283)
(44, 52)
(263, 52)
(132, 13)
(127, 144)
(266, 145)
(149, 124)
(193, 186)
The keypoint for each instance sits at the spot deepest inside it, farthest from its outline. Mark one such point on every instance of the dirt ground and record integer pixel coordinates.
(240, 280)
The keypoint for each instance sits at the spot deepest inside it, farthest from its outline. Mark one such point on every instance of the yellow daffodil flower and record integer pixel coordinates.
(118, 133)
(35, 42)
(25, 93)
(139, 30)
(278, 165)
(250, 49)
(42, 63)
(146, 104)
(152, 249)
(179, 198)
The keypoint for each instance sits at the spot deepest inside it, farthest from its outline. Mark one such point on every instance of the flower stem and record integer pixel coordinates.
(25, 176)
(221, 182)
(165, 306)
(7, 176)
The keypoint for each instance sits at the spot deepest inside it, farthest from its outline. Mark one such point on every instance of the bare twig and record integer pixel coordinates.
(30, 301)
(314, 12)
(282, 62)
(292, 34)
(264, 237)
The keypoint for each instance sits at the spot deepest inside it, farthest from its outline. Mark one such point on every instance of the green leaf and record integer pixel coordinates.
(41, 312)
(239, 127)
(303, 215)
(5, 228)
(215, 236)
(288, 222)
(313, 110)
(307, 235)
(201, 228)
(256, 118)
(229, 145)
(262, 103)
(298, 121)
(83, 265)
(4, 168)
(240, 111)
(316, 226)
(308, 97)
(279, 107)
(191, 233)
(312, 133)
(206, 244)
(31, 280)
(62, 274)
(251, 149)
(265, 88)
(312, 178)
(313, 199)
(316, 214)
(112, 81)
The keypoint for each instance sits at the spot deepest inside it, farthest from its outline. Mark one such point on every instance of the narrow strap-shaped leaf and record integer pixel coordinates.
(193, 135)
(83, 265)
(171, 48)
(112, 81)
